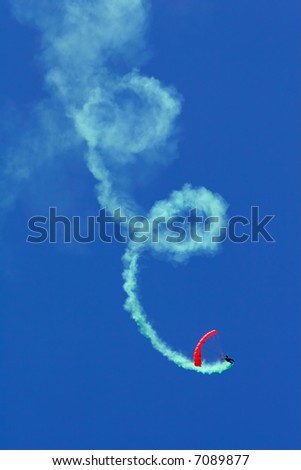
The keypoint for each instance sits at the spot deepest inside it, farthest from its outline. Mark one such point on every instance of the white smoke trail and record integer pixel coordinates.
(122, 118)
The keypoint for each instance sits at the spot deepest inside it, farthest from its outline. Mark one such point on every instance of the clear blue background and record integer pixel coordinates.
(74, 371)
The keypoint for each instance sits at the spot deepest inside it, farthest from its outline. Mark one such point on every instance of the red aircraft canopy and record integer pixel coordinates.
(197, 357)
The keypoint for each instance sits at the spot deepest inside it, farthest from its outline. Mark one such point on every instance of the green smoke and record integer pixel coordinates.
(133, 305)
(91, 53)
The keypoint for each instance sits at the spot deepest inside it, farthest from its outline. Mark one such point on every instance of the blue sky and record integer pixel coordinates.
(75, 372)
